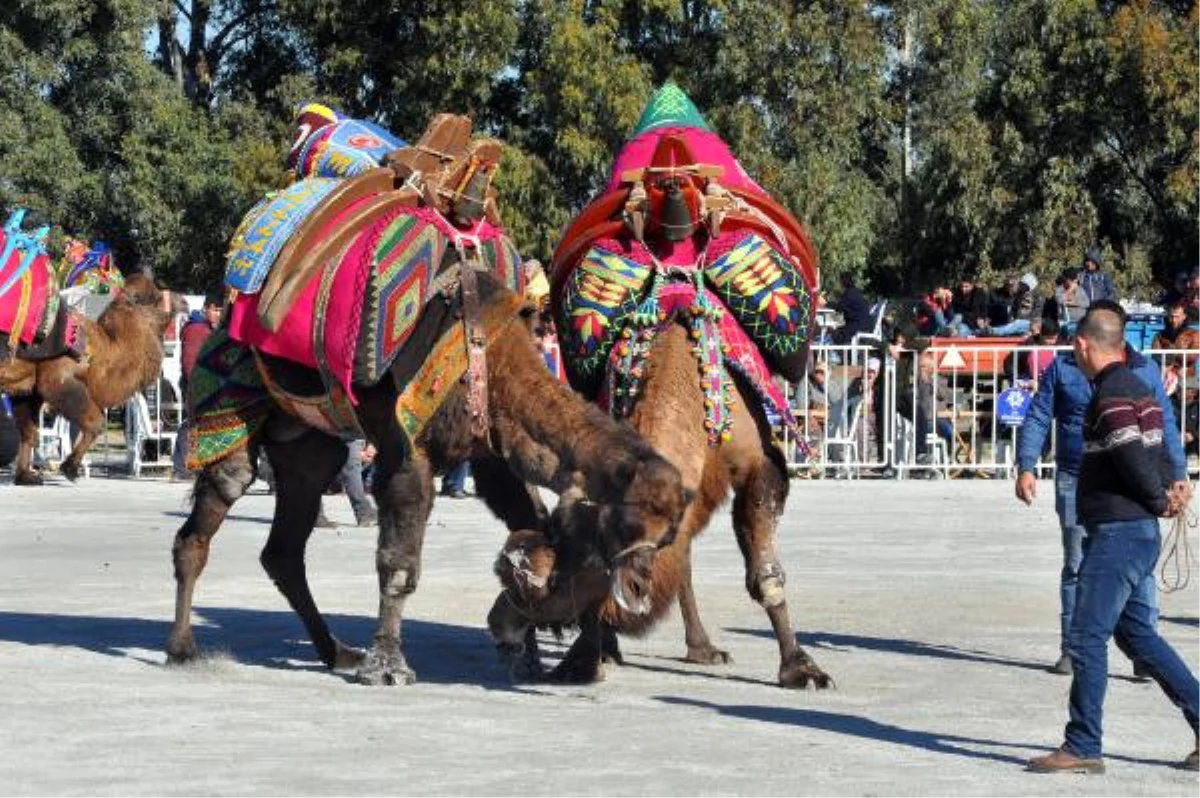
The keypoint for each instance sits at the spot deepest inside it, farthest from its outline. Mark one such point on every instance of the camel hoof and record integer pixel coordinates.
(523, 665)
(385, 668)
(182, 651)
(30, 478)
(577, 670)
(798, 670)
(707, 654)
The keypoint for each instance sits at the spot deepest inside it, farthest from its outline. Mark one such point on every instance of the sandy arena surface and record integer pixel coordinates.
(933, 604)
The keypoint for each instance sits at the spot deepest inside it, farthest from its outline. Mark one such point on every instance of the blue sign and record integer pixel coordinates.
(1011, 406)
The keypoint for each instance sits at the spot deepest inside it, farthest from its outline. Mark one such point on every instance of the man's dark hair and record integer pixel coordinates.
(213, 299)
(1050, 326)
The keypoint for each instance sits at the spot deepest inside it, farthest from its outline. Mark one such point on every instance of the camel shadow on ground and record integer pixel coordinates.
(865, 728)
(892, 645)
(440, 653)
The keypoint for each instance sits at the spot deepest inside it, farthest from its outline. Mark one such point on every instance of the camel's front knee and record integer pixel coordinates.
(398, 574)
(766, 585)
(229, 479)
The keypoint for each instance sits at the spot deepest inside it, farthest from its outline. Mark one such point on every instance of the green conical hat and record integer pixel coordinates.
(669, 107)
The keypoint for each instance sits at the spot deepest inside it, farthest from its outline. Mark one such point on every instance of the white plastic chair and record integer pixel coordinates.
(875, 335)
(140, 429)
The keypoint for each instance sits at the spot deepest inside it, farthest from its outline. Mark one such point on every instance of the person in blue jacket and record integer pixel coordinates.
(1095, 283)
(1062, 397)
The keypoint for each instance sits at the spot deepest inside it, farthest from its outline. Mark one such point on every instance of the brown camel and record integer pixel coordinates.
(670, 415)
(124, 355)
(673, 290)
(537, 431)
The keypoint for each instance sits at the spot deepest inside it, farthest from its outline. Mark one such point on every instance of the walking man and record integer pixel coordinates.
(1125, 486)
(1062, 397)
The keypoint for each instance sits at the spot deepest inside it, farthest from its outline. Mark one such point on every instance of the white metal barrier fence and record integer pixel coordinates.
(946, 412)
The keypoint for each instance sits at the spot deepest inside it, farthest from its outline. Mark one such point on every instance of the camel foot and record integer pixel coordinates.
(523, 663)
(385, 666)
(610, 648)
(707, 654)
(346, 657)
(30, 478)
(578, 668)
(798, 669)
(70, 470)
(181, 650)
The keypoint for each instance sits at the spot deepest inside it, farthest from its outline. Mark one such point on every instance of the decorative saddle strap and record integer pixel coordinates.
(476, 342)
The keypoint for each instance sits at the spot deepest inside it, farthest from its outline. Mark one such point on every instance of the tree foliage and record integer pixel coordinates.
(915, 138)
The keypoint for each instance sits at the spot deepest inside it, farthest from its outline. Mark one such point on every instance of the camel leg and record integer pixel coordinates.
(218, 486)
(25, 413)
(303, 467)
(758, 502)
(700, 648)
(404, 494)
(583, 662)
(91, 422)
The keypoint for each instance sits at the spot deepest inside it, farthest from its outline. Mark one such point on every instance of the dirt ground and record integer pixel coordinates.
(933, 604)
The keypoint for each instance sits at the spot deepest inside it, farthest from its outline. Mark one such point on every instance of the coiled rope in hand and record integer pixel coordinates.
(1179, 557)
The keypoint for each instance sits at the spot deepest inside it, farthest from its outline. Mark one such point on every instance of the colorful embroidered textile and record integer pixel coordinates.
(350, 321)
(669, 107)
(227, 398)
(501, 255)
(601, 294)
(266, 228)
(92, 267)
(618, 277)
(720, 345)
(406, 257)
(28, 288)
(767, 296)
(443, 367)
(344, 148)
(328, 409)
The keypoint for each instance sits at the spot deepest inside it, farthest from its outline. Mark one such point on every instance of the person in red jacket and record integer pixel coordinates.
(196, 330)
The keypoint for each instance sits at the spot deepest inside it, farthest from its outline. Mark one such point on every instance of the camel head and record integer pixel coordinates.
(142, 292)
(622, 537)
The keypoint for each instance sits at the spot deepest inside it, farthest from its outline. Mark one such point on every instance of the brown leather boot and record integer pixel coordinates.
(1063, 761)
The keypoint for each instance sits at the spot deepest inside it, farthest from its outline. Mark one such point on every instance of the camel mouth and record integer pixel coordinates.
(631, 586)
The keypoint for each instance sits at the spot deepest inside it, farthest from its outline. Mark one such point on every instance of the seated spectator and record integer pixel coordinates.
(855, 310)
(1178, 332)
(935, 314)
(1001, 302)
(1024, 310)
(1071, 299)
(971, 301)
(933, 394)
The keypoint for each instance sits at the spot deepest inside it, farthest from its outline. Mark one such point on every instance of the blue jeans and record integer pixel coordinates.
(1116, 595)
(456, 477)
(1072, 543)
(352, 478)
(1015, 327)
